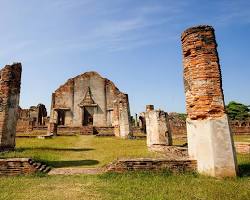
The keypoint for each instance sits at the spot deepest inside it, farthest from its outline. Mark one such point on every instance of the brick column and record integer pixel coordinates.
(10, 82)
(209, 136)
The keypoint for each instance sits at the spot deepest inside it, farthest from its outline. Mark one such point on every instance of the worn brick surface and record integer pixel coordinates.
(202, 75)
(10, 81)
(145, 164)
(21, 166)
(34, 118)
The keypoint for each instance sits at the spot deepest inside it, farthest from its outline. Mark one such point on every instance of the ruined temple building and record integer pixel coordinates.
(34, 118)
(10, 82)
(90, 104)
(210, 140)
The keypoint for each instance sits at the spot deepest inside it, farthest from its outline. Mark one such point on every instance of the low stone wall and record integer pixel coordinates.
(182, 130)
(87, 130)
(104, 131)
(148, 164)
(241, 130)
(242, 147)
(21, 166)
(171, 152)
(23, 126)
(63, 130)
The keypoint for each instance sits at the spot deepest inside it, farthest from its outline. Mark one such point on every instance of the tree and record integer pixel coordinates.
(238, 111)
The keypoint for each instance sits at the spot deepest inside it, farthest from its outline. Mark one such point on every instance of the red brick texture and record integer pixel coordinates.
(202, 75)
(10, 82)
(143, 164)
(21, 166)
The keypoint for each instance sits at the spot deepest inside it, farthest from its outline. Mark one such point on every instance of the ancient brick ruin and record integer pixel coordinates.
(178, 125)
(10, 82)
(21, 166)
(88, 103)
(34, 118)
(149, 164)
(209, 136)
(157, 127)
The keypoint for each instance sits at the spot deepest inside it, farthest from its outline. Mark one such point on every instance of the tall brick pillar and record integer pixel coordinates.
(10, 81)
(209, 135)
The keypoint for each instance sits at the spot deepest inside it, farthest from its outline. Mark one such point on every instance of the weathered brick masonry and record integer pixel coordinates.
(10, 81)
(35, 118)
(202, 75)
(21, 166)
(144, 164)
(210, 140)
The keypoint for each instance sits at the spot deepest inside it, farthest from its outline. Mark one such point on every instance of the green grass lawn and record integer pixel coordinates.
(242, 138)
(134, 186)
(89, 151)
(79, 151)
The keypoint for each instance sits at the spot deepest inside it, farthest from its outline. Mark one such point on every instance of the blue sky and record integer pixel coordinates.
(134, 43)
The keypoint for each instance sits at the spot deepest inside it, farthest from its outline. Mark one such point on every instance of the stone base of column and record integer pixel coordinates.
(210, 142)
(158, 132)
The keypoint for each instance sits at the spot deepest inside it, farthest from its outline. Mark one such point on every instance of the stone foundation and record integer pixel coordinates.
(210, 143)
(148, 164)
(21, 166)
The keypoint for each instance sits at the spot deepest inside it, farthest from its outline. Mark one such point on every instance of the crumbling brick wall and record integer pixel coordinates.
(10, 83)
(34, 118)
(177, 124)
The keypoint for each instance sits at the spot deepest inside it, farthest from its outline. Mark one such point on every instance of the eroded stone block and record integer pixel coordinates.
(210, 143)
(158, 131)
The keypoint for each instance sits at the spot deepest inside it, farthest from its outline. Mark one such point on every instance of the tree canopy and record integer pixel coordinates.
(238, 111)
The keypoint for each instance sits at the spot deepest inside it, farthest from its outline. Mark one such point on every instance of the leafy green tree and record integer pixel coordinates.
(182, 116)
(238, 111)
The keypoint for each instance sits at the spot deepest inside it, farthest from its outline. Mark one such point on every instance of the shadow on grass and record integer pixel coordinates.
(72, 163)
(244, 170)
(52, 149)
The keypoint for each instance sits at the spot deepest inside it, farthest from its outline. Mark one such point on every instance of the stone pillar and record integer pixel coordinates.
(209, 136)
(136, 120)
(124, 117)
(10, 82)
(142, 122)
(158, 132)
(52, 126)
